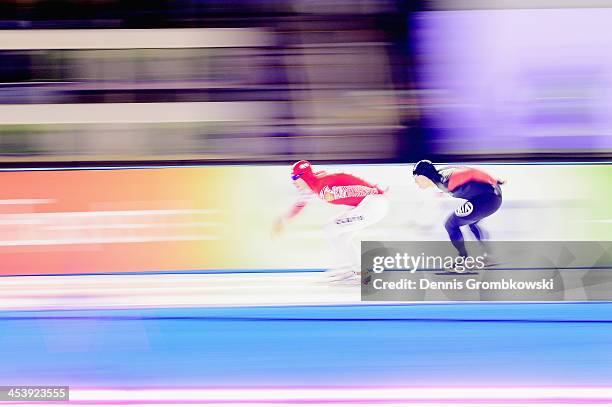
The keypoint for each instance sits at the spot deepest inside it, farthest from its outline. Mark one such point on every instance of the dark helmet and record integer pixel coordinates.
(427, 169)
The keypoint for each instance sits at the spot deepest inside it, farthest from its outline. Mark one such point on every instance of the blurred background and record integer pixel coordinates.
(128, 284)
(248, 81)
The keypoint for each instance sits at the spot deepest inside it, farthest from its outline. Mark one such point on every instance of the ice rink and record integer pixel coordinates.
(255, 322)
(271, 338)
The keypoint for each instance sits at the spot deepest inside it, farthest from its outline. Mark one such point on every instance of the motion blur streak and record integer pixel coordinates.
(557, 347)
(334, 403)
(488, 395)
(163, 286)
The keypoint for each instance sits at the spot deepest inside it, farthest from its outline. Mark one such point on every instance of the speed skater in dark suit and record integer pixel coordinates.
(481, 191)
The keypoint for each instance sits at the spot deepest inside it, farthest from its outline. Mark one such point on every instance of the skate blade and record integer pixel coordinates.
(457, 273)
(343, 277)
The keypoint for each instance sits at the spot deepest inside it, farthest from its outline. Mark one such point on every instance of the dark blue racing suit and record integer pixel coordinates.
(483, 197)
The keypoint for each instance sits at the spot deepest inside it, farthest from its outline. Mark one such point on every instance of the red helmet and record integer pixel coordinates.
(300, 169)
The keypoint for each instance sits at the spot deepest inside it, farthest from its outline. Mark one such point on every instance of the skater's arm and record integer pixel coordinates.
(295, 210)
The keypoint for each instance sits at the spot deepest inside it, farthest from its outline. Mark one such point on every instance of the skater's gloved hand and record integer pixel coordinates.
(278, 228)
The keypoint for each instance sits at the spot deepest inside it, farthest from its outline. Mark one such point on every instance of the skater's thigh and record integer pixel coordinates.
(371, 210)
(474, 210)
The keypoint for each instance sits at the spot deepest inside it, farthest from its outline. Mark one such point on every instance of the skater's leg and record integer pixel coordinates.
(344, 251)
(340, 231)
(470, 213)
(452, 225)
(477, 231)
(481, 235)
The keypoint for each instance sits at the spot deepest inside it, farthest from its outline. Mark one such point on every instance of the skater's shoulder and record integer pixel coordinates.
(454, 168)
(338, 176)
(447, 172)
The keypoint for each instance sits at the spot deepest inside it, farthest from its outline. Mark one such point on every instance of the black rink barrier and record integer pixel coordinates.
(492, 271)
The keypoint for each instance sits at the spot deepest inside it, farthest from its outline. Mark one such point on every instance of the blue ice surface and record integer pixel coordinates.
(472, 344)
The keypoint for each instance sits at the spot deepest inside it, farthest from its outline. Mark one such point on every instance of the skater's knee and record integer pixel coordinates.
(452, 227)
(451, 224)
